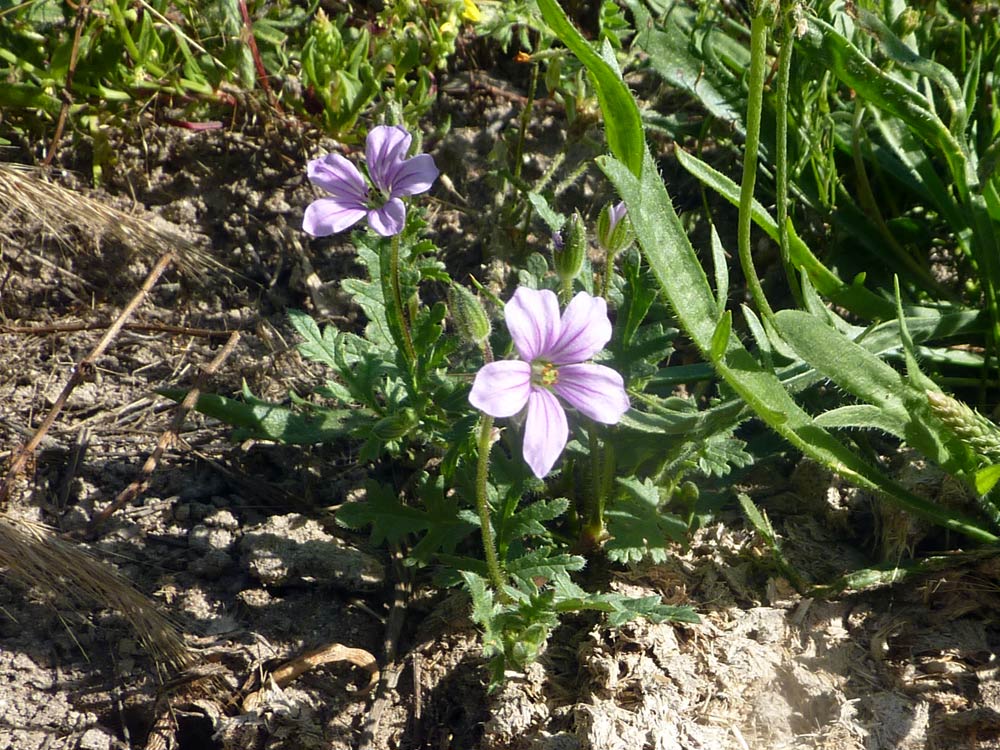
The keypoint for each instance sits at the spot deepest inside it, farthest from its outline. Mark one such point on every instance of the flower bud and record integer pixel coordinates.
(971, 427)
(395, 425)
(468, 315)
(614, 229)
(568, 259)
(906, 22)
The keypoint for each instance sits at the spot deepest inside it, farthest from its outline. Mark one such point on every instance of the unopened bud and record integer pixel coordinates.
(967, 424)
(906, 22)
(395, 425)
(468, 315)
(614, 229)
(568, 259)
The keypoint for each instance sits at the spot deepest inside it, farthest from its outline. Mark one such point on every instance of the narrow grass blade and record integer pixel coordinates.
(622, 121)
(852, 296)
(673, 261)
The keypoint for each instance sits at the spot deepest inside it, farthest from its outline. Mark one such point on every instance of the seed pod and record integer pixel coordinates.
(967, 424)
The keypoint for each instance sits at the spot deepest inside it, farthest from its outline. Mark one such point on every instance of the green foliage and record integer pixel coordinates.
(337, 68)
(639, 525)
(883, 141)
(516, 625)
(197, 59)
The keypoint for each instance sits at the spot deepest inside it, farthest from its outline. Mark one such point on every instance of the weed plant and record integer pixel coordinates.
(511, 438)
(103, 63)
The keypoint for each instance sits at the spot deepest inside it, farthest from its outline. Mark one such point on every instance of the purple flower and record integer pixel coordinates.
(393, 175)
(552, 351)
(617, 213)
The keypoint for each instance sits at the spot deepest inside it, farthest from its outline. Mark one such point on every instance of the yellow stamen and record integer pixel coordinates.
(549, 375)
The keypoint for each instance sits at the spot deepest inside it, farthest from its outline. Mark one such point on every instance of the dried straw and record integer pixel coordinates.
(37, 557)
(27, 198)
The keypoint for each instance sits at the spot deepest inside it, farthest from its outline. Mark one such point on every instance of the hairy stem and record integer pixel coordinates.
(594, 531)
(404, 327)
(483, 506)
(755, 103)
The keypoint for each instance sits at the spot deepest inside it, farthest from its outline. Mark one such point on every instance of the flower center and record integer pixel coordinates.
(544, 374)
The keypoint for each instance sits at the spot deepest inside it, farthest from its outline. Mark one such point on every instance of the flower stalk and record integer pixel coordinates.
(755, 105)
(397, 295)
(485, 442)
(602, 466)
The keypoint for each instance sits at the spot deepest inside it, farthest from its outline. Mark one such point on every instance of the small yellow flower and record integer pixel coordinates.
(471, 12)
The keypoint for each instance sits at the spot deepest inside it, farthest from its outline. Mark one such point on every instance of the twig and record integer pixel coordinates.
(80, 373)
(332, 652)
(138, 486)
(75, 459)
(257, 61)
(393, 665)
(205, 333)
(82, 11)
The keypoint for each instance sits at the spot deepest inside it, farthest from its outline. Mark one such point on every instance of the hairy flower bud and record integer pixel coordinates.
(568, 259)
(971, 427)
(614, 229)
(468, 315)
(395, 425)
(906, 22)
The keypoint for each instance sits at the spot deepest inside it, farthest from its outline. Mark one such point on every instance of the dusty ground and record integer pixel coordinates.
(236, 544)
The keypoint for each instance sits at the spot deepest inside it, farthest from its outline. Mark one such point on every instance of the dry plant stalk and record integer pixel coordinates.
(292, 669)
(37, 557)
(79, 374)
(31, 552)
(27, 198)
(169, 435)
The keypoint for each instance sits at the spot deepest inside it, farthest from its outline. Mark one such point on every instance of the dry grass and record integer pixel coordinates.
(28, 198)
(34, 555)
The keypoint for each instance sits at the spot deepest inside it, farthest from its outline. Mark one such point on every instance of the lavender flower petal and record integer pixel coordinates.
(617, 213)
(545, 432)
(330, 215)
(532, 318)
(415, 175)
(584, 330)
(595, 390)
(501, 389)
(337, 176)
(388, 220)
(385, 150)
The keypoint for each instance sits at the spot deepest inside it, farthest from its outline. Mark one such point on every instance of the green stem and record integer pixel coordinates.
(595, 532)
(565, 291)
(404, 327)
(755, 104)
(522, 133)
(483, 506)
(609, 266)
(781, 156)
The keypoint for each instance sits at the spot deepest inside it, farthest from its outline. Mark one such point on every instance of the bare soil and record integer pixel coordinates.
(235, 542)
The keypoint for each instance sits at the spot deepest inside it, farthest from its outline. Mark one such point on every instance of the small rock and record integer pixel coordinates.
(202, 538)
(94, 739)
(222, 519)
(293, 549)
